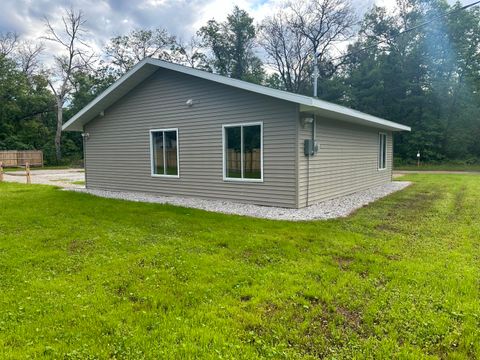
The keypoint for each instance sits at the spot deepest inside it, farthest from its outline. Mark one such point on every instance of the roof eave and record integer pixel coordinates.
(148, 66)
(91, 110)
(355, 117)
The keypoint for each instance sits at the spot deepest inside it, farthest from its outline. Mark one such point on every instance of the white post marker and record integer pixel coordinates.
(418, 158)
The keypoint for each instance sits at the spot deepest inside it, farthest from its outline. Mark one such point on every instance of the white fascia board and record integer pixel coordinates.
(83, 116)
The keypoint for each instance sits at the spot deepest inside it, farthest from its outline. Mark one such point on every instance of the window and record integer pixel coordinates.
(243, 152)
(382, 153)
(164, 152)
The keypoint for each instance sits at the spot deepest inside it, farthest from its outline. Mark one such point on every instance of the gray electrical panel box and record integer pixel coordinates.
(310, 147)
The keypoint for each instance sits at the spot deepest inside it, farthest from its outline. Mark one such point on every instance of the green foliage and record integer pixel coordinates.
(459, 165)
(274, 81)
(231, 43)
(26, 110)
(126, 50)
(124, 280)
(428, 78)
(87, 87)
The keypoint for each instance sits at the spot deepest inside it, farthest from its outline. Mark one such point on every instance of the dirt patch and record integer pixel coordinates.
(393, 257)
(270, 309)
(322, 331)
(353, 319)
(386, 227)
(410, 206)
(79, 247)
(343, 262)
(314, 328)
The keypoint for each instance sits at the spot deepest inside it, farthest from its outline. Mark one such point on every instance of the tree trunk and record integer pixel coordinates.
(58, 134)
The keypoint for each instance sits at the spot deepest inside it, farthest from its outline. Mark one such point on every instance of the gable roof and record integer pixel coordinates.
(148, 66)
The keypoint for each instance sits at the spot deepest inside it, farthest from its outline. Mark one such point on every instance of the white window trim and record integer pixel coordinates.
(152, 171)
(380, 151)
(225, 178)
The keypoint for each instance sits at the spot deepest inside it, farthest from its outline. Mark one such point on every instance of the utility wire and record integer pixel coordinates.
(408, 30)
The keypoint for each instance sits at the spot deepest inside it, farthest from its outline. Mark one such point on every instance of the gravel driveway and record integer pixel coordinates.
(65, 178)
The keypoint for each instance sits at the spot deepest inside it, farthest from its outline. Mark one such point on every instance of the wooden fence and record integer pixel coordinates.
(27, 174)
(15, 158)
(251, 159)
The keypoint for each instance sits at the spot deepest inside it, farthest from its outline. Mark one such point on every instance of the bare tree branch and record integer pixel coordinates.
(301, 29)
(288, 52)
(190, 54)
(8, 43)
(324, 23)
(28, 53)
(75, 56)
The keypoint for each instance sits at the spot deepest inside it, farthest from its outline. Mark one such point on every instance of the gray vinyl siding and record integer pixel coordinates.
(346, 162)
(118, 149)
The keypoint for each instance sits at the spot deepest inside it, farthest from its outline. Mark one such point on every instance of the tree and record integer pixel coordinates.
(28, 53)
(126, 50)
(75, 56)
(26, 107)
(324, 23)
(288, 51)
(24, 53)
(300, 38)
(190, 54)
(232, 45)
(428, 78)
(8, 43)
(87, 85)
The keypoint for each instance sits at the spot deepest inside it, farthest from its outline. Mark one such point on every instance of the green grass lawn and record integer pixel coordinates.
(80, 182)
(85, 278)
(440, 167)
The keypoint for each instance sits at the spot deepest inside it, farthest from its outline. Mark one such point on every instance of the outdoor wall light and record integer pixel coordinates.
(306, 120)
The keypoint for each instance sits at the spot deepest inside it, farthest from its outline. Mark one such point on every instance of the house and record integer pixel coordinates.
(172, 130)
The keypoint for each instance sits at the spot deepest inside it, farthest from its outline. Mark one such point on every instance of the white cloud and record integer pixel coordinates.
(108, 18)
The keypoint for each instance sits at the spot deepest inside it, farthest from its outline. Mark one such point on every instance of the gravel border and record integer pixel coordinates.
(331, 209)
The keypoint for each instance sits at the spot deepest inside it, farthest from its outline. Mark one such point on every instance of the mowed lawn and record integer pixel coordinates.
(85, 278)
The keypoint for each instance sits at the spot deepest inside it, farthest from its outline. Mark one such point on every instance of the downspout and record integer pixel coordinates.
(308, 178)
(391, 166)
(314, 128)
(84, 143)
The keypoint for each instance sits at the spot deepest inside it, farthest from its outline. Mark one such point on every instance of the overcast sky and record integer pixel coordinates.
(107, 18)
